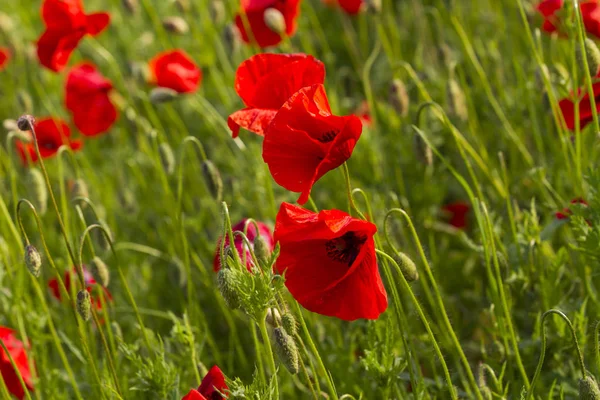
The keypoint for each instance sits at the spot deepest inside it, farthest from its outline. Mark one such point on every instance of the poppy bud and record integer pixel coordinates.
(457, 103)
(398, 97)
(6, 23)
(217, 11)
(100, 238)
(176, 25)
(289, 324)
(182, 5)
(84, 304)
(423, 152)
(231, 36)
(130, 5)
(162, 95)
(167, 158)
(592, 54)
(10, 125)
(38, 190)
(33, 260)
(261, 250)
(213, 179)
(275, 20)
(100, 271)
(25, 121)
(588, 389)
(24, 101)
(273, 321)
(80, 189)
(407, 266)
(141, 73)
(228, 284)
(286, 350)
(373, 6)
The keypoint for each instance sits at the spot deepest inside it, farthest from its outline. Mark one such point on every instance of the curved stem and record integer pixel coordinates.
(349, 192)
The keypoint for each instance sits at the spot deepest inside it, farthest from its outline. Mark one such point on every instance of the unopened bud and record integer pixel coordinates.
(286, 349)
(592, 54)
(25, 122)
(422, 151)
(232, 37)
(217, 11)
(130, 5)
(33, 260)
(398, 97)
(289, 324)
(373, 6)
(261, 250)
(273, 317)
(407, 266)
(176, 25)
(79, 189)
(38, 190)
(100, 271)
(275, 20)
(457, 103)
(84, 304)
(228, 286)
(588, 389)
(182, 5)
(213, 179)
(162, 95)
(167, 158)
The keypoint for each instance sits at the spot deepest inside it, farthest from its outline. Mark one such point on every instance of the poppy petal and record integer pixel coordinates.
(253, 119)
(193, 395)
(97, 22)
(54, 48)
(212, 383)
(63, 15)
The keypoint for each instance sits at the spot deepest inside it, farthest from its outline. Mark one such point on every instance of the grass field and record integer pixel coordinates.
(469, 155)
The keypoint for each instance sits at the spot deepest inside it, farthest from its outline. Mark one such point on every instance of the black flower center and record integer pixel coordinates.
(328, 136)
(345, 248)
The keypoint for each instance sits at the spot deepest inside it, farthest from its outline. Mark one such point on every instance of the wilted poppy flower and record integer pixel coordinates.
(175, 70)
(265, 82)
(51, 133)
(89, 283)
(16, 349)
(211, 387)
(351, 7)
(240, 246)
(566, 212)
(329, 263)
(457, 214)
(305, 141)
(66, 24)
(87, 99)
(4, 57)
(255, 15)
(567, 107)
(550, 11)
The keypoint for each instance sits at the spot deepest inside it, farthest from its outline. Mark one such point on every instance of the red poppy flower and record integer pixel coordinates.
(265, 82)
(255, 11)
(240, 246)
(89, 283)
(305, 141)
(351, 7)
(4, 57)
(457, 214)
(329, 263)
(566, 212)
(550, 11)
(51, 133)
(567, 107)
(175, 70)
(87, 99)
(16, 349)
(210, 388)
(66, 24)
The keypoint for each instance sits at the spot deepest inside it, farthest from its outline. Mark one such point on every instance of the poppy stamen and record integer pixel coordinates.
(346, 248)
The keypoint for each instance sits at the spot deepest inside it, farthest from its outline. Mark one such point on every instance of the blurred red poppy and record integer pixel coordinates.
(550, 11)
(175, 70)
(265, 82)
(87, 99)
(329, 263)
(210, 388)
(51, 133)
(89, 283)
(566, 212)
(351, 7)
(240, 246)
(66, 24)
(260, 32)
(17, 351)
(567, 107)
(5, 56)
(305, 141)
(457, 214)
(364, 113)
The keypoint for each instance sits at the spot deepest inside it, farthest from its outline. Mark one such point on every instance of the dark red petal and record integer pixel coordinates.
(213, 382)
(549, 7)
(54, 48)
(5, 55)
(351, 7)
(63, 15)
(255, 120)
(97, 22)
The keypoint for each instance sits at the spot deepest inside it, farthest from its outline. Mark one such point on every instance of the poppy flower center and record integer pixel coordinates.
(328, 136)
(346, 248)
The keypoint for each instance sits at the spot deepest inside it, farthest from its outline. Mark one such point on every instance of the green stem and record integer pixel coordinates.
(271, 359)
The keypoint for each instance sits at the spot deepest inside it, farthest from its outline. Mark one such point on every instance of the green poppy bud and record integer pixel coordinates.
(423, 152)
(407, 266)
(160, 95)
(398, 97)
(84, 305)
(33, 260)
(261, 250)
(213, 179)
(167, 158)
(176, 25)
(38, 190)
(228, 286)
(456, 100)
(286, 349)
(592, 54)
(289, 324)
(275, 21)
(100, 271)
(588, 389)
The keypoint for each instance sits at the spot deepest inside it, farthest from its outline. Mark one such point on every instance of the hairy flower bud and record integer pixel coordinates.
(274, 20)
(130, 5)
(176, 25)
(286, 349)
(213, 179)
(289, 324)
(457, 103)
(38, 190)
(228, 286)
(261, 250)
(167, 158)
(588, 389)
(423, 152)
(100, 271)
(79, 189)
(84, 304)
(407, 266)
(33, 260)
(592, 54)
(25, 122)
(398, 97)
(160, 95)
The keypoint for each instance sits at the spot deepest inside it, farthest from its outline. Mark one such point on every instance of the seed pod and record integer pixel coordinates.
(84, 304)
(160, 95)
(289, 324)
(33, 260)
(24, 101)
(100, 271)
(130, 5)
(286, 349)
(79, 189)
(588, 389)
(228, 286)
(167, 158)
(25, 121)
(38, 190)
(275, 20)
(213, 179)
(261, 250)
(176, 25)
(398, 97)
(457, 103)
(423, 152)
(592, 54)
(407, 266)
